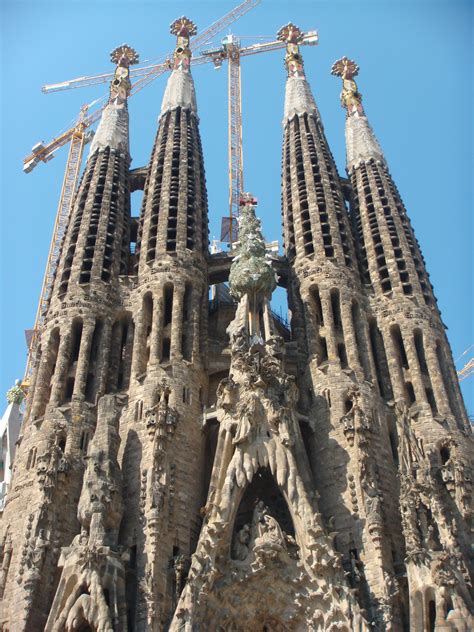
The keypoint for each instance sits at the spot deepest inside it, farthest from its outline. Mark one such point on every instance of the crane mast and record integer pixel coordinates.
(236, 161)
(69, 185)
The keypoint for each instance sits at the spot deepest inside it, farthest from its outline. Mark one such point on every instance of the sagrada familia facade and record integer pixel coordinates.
(189, 465)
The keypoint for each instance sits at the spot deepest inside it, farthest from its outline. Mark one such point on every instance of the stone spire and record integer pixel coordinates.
(393, 266)
(113, 127)
(96, 241)
(298, 96)
(314, 214)
(361, 144)
(396, 264)
(174, 210)
(180, 86)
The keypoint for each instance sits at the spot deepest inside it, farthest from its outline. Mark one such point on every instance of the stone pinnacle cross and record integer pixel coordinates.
(293, 36)
(351, 99)
(183, 28)
(124, 56)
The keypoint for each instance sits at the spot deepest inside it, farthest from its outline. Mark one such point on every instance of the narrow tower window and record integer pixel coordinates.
(76, 338)
(336, 310)
(187, 339)
(359, 336)
(380, 360)
(92, 367)
(173, 200)
(399, 346)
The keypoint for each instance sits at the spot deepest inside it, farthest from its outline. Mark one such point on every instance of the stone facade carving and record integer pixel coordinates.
(258, 431)
(430, 527)
(91, 590)
(356, 419)
(331, 454)
(51, 463)
(5, 559)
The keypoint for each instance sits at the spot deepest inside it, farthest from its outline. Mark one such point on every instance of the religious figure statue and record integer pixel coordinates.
(266, 530)
(241, 543)
(372, 499)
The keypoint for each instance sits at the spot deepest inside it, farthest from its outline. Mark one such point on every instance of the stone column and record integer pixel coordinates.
(350, 339)
(456, 400)
(82, 367)
(436, 377)
(396, 373)
(415, 371)
(368, 344)
(62, 365)
(42, 379)
(177, 323)
(157, 327)
(311, 325)
(140, 340)
(102, 364)
(114, 360)
(329, 329)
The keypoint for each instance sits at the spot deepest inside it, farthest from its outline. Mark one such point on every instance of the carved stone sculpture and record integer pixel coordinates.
(92, 563)
(259, 432)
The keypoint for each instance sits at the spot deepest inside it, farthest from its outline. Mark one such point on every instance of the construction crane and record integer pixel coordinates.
(78, 137)
(154, 70)
(232, 51)
(148, 74)
(468, 369)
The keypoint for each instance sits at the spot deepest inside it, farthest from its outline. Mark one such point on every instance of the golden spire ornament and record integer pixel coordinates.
(351, 99)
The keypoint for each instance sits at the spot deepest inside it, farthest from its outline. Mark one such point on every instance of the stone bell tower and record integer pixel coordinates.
(343, 413)
(162, 458)
(431, 436)
(75, 367)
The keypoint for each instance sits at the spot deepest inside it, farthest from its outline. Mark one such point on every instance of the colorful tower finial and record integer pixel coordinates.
(124, 56)
(351, 99)
(15, 395)
(183, 28)
(293, 36)
(251, 272)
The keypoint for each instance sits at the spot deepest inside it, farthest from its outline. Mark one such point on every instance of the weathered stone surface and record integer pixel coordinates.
(189, 464)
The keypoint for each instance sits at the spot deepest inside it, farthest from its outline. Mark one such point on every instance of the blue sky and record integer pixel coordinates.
(416, 78)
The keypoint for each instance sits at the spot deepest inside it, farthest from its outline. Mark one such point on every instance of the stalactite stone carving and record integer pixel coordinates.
(101, 492)
(429, 526)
